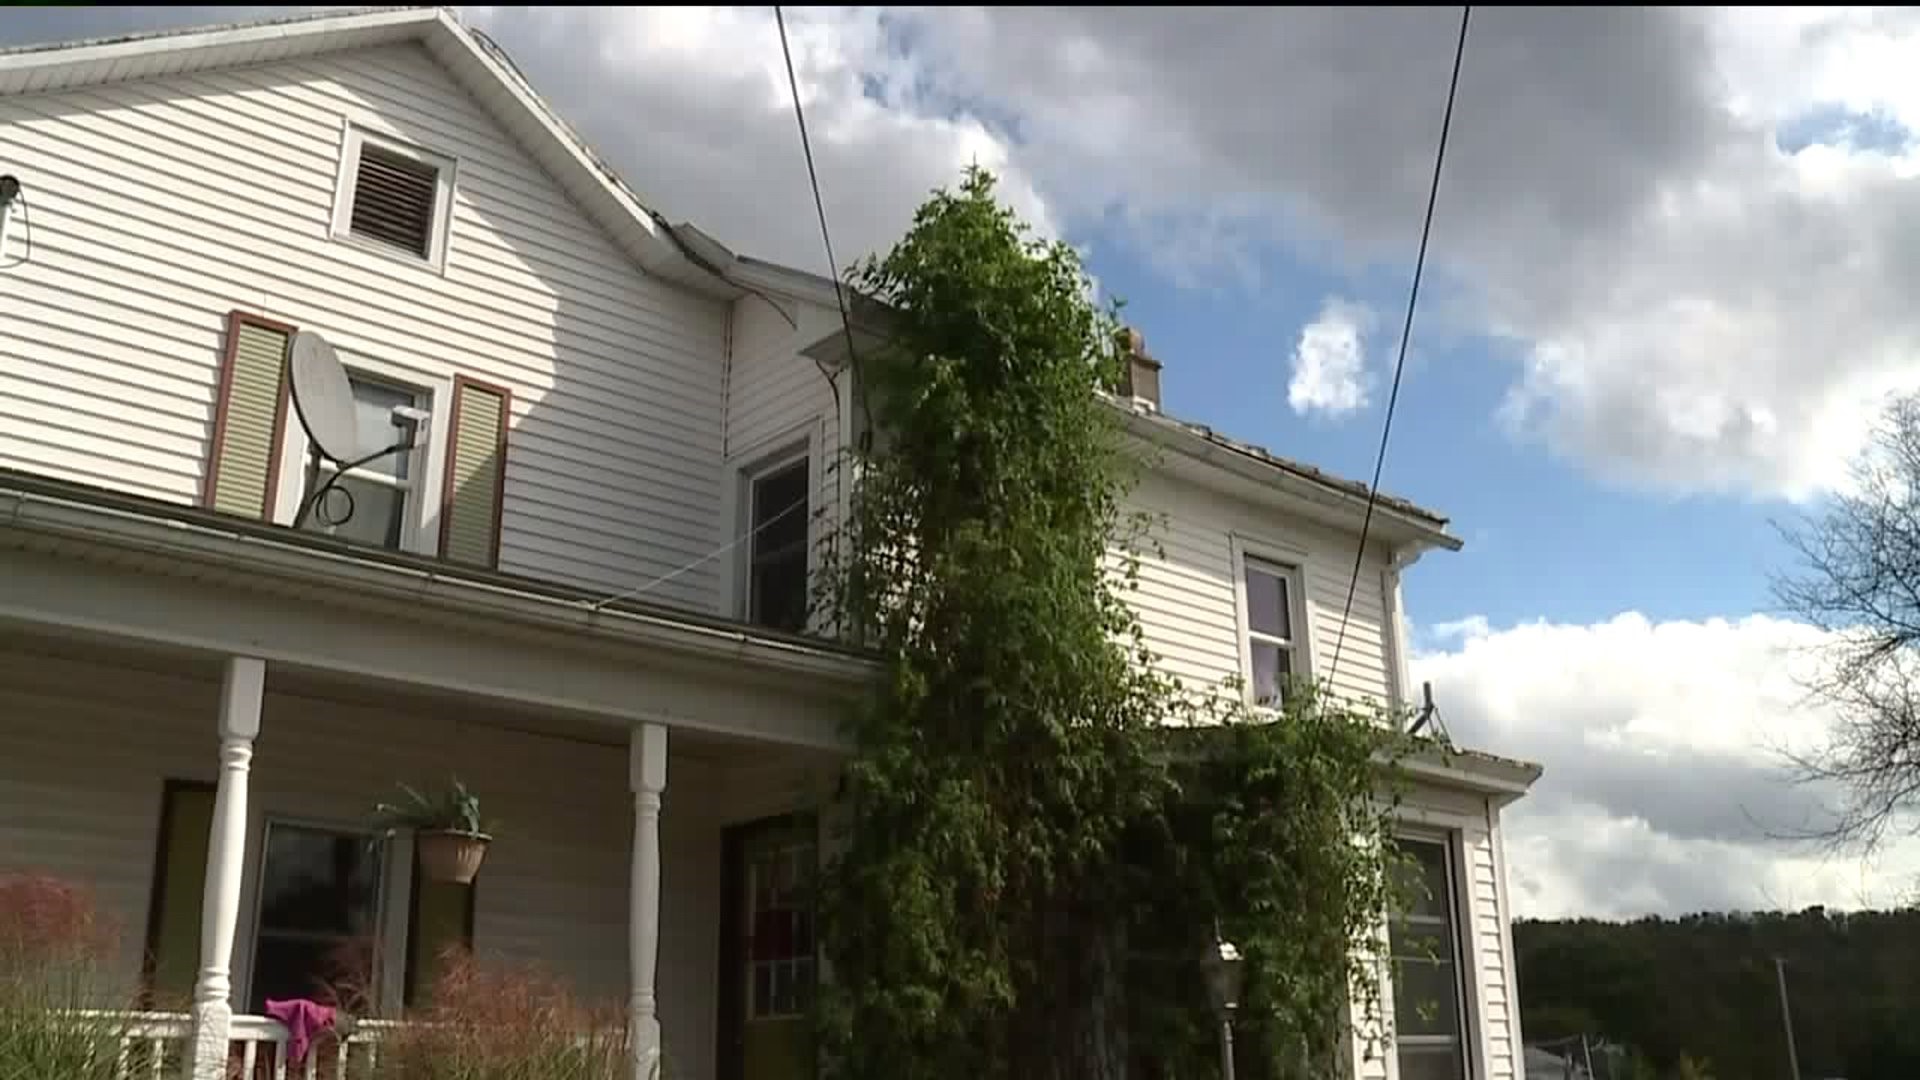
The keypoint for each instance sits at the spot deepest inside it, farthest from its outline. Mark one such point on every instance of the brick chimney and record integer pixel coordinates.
(1140, 379)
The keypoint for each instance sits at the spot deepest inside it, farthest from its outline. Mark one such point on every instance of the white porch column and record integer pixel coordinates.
(647, 777)
(240, 694)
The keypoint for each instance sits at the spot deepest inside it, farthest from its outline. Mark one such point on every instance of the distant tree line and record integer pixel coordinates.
(1697, 996)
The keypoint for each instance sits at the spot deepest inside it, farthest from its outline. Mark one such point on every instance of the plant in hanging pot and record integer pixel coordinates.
(450, 836)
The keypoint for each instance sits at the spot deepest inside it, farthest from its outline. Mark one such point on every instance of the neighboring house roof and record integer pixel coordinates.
(481, 67)
(681, 252)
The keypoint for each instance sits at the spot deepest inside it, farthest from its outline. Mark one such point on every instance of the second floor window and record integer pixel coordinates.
(777, 551)
(382, 490)
(1272, 651)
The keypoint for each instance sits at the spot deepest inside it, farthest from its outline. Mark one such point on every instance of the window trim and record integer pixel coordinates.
(769, 454)
(254, 877)
(750, 508)
(1290, 561)
(353, 138)
(433, 394)
(1452, 843)
(793, 848)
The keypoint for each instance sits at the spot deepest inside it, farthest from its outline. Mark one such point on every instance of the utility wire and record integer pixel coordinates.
(820, 209)
(648, 586)
(1406, 332)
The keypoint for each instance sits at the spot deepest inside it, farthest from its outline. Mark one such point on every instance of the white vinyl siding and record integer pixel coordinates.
(1493, 1038)
(776, 400)
(1187, 599)
(159, 206)
(90, 740)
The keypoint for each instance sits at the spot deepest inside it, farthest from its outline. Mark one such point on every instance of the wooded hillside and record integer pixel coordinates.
(1704, 986)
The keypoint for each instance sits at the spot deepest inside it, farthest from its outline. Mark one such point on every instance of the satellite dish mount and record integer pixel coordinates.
(323, 400)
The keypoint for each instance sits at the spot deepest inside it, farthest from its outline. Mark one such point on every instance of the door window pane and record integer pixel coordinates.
(780, 931)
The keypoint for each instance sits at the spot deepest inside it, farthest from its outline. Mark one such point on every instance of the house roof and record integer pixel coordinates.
(681, 252)
(474, 61)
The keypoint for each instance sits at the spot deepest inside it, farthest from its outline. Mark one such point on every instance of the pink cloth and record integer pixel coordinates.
(304, 1020)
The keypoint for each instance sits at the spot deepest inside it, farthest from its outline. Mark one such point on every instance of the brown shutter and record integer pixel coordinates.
(476, 473)
(243, 459)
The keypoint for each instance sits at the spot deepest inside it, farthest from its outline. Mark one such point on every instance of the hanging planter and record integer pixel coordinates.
(450, 836)
(451, 854)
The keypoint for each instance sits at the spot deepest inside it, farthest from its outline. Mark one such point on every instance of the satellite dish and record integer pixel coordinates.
(322, 397)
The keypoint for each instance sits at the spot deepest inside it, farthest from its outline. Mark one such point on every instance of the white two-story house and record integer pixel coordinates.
(582, 589)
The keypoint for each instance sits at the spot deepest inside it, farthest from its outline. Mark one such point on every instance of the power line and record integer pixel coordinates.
(820, 209)
(649, 586)
(1406, 332)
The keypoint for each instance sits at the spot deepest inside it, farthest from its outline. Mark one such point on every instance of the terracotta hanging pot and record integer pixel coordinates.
(451, 854)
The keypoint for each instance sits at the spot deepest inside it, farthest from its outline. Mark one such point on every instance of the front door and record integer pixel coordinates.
(767, 951)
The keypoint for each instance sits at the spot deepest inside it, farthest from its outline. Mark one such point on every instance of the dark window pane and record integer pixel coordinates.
(762, 989)
(1431, 1063)
(1424, 998)
(780, 592)
(291, 968)
(1267, 611)
(1421, 879)
(319, 905)
(780, 509)
(318, 882)
(777, 580)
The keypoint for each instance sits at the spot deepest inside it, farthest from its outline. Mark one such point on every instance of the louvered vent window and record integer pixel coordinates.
(393, 200)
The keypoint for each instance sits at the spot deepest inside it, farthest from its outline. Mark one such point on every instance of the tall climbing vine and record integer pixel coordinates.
(1038, 831)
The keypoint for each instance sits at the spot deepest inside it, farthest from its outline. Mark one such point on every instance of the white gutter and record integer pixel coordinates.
(1497, 778)
(241, 551)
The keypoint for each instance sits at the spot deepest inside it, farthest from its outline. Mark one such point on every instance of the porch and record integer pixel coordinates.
(219, 805)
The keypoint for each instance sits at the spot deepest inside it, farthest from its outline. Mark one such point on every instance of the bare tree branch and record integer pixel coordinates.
(1858, 579)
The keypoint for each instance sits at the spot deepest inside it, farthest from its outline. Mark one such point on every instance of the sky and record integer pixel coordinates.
(1670, 285)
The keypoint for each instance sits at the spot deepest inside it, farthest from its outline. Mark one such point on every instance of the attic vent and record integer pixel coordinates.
(393, 199)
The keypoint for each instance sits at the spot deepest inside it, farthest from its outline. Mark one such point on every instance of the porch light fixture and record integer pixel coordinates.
(1221, 964)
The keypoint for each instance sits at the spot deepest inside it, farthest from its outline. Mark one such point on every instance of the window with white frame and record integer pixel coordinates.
(319, 912)
(375, 502)
(1429, 1014)
(780, 929)
(394, 197)
(1273, 652)
(776, 570)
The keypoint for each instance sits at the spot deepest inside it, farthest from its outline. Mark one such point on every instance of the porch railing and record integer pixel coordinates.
(154, 1046)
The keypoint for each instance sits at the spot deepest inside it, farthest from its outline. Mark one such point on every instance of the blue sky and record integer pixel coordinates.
(1671, 286)
(1545, 539)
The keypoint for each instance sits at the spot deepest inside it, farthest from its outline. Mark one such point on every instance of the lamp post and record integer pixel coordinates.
(1221, 964)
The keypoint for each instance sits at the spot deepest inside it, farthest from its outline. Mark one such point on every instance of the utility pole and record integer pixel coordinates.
(1786, 1015)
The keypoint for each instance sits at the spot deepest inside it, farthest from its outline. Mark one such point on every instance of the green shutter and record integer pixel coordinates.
(442, 921)
(476, 474)
(179, 879)
(241, 460)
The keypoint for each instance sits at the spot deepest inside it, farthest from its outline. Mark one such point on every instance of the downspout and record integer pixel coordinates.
(1395, 631)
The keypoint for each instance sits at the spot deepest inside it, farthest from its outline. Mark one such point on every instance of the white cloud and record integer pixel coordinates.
(692, 105)
(1330, 360)
(1665, 790)
(1692, 308)
(1695, 309)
